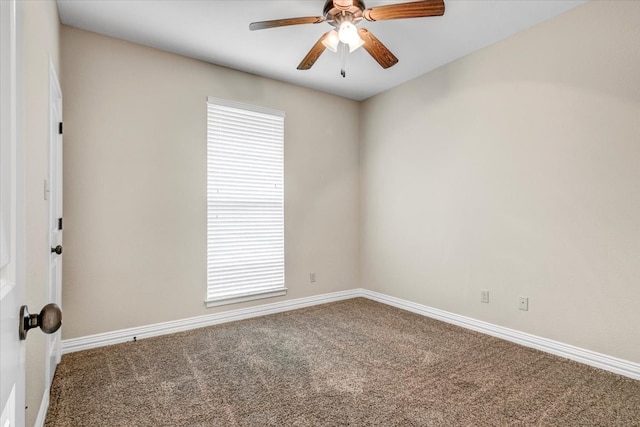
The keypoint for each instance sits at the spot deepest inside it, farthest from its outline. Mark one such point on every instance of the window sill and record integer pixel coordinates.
(243, 298)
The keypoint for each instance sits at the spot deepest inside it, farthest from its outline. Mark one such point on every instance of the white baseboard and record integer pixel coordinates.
(588, 357)
(124, 335)
(42, 412)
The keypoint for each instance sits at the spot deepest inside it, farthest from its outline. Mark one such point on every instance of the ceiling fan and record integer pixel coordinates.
(344, 16)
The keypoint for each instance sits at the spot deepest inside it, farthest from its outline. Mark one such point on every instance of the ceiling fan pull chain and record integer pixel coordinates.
(343, 59)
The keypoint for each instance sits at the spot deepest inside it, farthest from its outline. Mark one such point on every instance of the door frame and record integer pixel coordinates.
(15, 105)
(54, 185)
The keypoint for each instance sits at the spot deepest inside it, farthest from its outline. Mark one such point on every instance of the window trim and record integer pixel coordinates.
(248, 297)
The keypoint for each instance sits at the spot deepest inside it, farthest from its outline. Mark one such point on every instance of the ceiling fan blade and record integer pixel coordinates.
(376, 49)
(262, 25)
(313, 54)
(416, 9)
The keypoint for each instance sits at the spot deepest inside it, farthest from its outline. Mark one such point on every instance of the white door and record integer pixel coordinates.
(12, 217)
(55, 215)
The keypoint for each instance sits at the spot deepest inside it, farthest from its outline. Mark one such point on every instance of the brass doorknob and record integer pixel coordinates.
(57, 249)
(49, 320)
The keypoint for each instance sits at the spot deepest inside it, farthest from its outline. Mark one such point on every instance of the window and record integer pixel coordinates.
(245, 202)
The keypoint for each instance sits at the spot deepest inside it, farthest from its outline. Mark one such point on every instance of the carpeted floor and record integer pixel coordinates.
(350, 363)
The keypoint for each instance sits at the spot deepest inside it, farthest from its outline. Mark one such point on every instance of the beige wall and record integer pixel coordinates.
(516, 170)
(135, 183)
(41, 46)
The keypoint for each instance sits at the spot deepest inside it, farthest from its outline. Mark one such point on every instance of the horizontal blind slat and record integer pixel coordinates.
(245, 277)
(237, 293)
(249, 285)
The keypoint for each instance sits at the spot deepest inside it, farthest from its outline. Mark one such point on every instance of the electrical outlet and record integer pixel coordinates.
(523, 303)
(312, 277)
(484, 296)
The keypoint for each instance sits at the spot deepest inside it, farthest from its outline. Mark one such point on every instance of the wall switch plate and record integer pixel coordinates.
(523, 303)
(484, 296)
(312, 277)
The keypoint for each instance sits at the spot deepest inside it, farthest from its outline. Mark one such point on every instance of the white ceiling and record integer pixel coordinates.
(218, 32)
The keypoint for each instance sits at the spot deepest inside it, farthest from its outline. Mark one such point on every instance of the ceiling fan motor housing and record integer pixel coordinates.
(337, 11)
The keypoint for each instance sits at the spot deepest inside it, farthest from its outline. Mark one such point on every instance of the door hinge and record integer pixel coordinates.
(59, 223)
(60, 128)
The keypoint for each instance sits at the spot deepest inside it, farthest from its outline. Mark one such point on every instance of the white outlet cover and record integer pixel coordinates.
(484, 296)
(523, 303)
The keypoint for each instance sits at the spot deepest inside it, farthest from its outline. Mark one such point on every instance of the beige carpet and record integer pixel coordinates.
(351, 363)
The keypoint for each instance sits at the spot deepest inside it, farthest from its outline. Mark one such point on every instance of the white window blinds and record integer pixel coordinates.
(245, 202)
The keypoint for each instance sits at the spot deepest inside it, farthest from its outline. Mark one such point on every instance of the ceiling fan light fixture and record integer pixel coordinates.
(331, 41)
(348, 34)
(355, 45)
